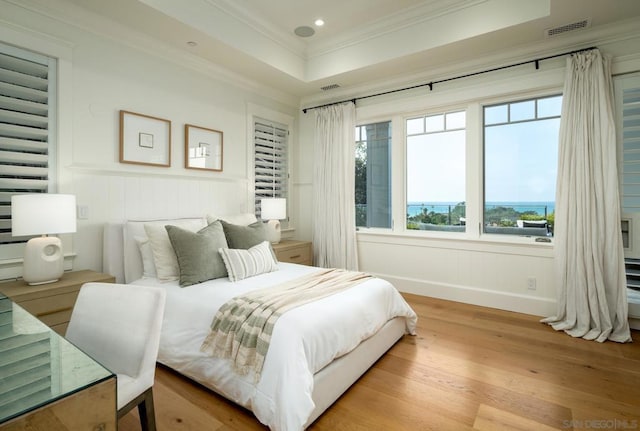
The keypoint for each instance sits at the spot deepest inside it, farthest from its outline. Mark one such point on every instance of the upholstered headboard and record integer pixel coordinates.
(112, 251)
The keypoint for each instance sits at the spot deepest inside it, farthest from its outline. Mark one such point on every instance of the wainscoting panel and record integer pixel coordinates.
(110, 196)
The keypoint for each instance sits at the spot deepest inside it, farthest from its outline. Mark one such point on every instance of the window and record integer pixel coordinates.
(520, 166)
(270, 161)
(27, 109)
(629, 105)
(436, 172)
(627, 110)
(373, 175)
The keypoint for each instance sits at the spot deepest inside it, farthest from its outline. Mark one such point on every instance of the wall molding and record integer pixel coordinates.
(196, 176)
(602, 37)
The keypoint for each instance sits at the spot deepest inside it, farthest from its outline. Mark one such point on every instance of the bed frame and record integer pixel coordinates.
(330, 382)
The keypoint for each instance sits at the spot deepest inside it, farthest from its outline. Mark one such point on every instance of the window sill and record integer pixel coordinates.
(509, 244)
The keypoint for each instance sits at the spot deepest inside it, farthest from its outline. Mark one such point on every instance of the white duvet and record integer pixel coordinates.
(304, 340)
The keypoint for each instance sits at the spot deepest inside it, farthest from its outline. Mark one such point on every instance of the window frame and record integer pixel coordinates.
(631, 219)
(254, 112)
(506, 100)
(471, 100)
(390, 172)
(14, 249)
(444, 111)
(279, 156)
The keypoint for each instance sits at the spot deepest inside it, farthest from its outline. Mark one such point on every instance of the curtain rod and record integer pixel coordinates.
(432, 83)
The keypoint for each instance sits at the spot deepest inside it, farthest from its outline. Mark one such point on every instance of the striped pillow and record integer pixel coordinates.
(243, 264)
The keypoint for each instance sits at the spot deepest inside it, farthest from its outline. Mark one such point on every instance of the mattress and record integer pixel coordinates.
(305, 340)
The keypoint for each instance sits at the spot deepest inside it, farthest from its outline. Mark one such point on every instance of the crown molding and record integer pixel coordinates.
(602, 37)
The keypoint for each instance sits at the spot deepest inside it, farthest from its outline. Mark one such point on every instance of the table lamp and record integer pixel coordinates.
(274, 210)
(42, 214)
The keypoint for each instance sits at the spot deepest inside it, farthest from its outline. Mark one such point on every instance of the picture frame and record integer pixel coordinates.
(144, 140)
(203, 148)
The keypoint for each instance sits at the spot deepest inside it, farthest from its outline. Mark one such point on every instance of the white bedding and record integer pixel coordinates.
(304, 340)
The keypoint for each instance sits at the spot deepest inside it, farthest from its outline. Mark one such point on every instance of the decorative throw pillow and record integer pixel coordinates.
(243, 264)
(148, 267)
(244, 237)
(163, 255)
(197, 253)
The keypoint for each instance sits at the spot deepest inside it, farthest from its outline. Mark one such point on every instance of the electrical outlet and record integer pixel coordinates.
(531, 283)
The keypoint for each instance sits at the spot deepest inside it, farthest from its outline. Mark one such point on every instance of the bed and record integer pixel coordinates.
(317, 350)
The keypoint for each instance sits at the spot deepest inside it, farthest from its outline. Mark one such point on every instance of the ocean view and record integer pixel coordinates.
(415, 208)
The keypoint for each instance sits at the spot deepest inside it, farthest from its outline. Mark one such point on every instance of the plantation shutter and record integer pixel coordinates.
(271, 164)
(631, 149)
(25, 115)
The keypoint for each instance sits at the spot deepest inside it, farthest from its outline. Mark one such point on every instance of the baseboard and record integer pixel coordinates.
(489, 298)
(470, 295)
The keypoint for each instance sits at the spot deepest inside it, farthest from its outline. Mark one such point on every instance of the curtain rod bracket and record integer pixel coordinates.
(431, 86)
(537, 64)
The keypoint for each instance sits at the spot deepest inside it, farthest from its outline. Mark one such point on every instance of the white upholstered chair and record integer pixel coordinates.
(118, 325)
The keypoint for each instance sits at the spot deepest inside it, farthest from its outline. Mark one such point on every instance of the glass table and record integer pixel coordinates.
(46, 382)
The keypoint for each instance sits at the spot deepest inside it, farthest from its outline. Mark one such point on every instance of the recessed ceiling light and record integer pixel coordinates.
(304, 31)
(192, 43)
(319, 22)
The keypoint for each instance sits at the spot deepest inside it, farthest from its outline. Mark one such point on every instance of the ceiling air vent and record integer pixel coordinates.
(330, 87)
(578, 25)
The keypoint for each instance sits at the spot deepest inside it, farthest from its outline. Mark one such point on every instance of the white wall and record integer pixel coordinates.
(487, 270)
(105, 68)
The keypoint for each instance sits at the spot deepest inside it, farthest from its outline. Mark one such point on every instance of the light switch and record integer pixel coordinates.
(83, 212)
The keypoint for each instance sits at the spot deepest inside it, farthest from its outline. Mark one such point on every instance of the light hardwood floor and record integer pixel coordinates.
(469, 368)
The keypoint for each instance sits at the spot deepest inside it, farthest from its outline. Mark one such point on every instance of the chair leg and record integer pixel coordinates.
(147, 412)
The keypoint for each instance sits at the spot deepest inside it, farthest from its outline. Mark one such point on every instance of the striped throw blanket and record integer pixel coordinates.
(241, 329)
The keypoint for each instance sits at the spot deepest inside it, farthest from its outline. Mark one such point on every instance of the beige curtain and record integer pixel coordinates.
(589, 259)
(334, 226)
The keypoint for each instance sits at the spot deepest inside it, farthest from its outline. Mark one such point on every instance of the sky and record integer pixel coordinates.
(521, 158)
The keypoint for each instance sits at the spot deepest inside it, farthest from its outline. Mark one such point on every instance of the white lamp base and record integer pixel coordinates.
(43, 260)
(274, 228)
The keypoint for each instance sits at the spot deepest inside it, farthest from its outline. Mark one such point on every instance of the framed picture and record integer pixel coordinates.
(202, 148)
(144, 140)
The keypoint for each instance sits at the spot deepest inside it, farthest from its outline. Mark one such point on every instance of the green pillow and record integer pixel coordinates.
(244, 237)
(197, 253)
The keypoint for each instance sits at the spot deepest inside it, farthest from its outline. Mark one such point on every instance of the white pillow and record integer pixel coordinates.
(148, 266)
(164, 257)
(243, 264)
(243, 219)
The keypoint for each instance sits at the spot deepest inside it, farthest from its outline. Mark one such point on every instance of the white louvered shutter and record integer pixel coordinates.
(26, 107)
(631, 148)
(271, 161)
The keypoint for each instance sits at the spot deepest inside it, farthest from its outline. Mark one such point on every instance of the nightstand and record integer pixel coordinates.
(294, 251)
(52, 303)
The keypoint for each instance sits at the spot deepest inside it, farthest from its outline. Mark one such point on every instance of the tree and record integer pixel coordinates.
(361, 184)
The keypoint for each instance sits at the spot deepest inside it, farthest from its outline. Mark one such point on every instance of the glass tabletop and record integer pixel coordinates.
(38, 366)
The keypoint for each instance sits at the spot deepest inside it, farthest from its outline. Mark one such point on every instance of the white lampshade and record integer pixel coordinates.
(273, 209)
(42, 214)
